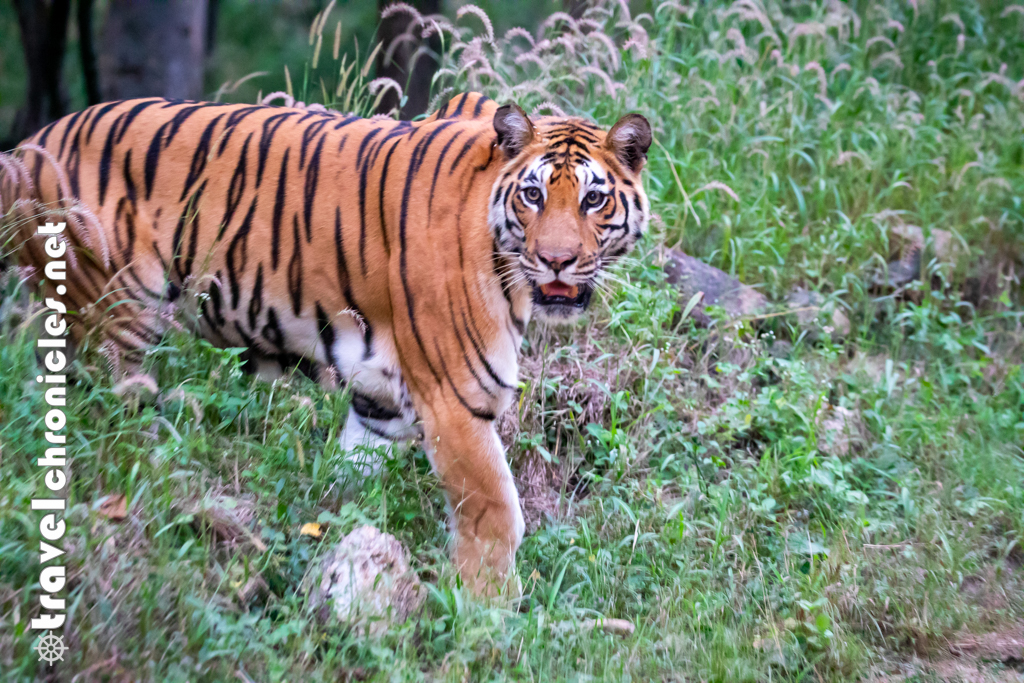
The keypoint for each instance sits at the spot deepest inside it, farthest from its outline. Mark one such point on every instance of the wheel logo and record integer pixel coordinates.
(50, 648)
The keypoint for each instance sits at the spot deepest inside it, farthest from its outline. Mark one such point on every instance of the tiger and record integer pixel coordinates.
(403, 258)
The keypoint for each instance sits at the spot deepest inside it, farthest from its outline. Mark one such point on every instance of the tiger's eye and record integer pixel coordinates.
(593, 199)
(532, 194)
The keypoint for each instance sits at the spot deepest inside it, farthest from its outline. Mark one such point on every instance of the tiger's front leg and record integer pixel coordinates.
(486, 518)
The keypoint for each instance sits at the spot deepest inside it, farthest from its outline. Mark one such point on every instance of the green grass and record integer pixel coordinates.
(698, 494)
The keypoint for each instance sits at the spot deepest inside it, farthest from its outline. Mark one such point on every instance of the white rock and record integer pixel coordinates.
(365, 582)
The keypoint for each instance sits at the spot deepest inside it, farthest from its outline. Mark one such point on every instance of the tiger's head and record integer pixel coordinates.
(568, 203)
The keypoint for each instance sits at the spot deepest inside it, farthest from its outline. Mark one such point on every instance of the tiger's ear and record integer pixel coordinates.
(514, 128)
(629, 140)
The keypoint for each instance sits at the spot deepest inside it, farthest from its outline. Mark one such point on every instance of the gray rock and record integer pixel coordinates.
(809, 306)
(365, 582)
(907, 248)
(690, 275)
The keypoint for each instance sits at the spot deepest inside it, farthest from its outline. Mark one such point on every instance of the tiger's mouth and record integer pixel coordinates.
(561, 300)
(559, 290)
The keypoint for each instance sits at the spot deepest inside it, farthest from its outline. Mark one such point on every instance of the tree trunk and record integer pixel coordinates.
(415, 85)
(87, 52)
(44, 27)
(154, 48)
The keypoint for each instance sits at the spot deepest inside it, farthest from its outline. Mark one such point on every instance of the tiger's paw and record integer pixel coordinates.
(487, 565)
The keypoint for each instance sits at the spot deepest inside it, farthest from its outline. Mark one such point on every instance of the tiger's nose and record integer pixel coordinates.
(557, 260)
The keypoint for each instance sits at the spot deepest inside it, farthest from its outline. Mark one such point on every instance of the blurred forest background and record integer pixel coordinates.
(58, 56)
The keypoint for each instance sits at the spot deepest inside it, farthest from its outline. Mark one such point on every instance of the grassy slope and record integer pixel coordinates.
(698, 496)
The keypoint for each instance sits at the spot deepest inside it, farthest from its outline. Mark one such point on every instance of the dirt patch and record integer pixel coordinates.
(994, 657)
(538, 483)
(1005, 647)
(984, 590)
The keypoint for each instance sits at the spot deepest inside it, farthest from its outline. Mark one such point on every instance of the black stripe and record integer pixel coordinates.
(71, 124)
(141, 285)
(309, 191)
(506, 290)
(190, 215)
(121, 215)
(218, 301)
(295, 268)
(234, 118)
(246, 339)
(380, 197)
(419, 152)
(366, 141)
(392, 134)
(73, 164)
(437, 169)
(100, 113)
(480, 106)
(178, 119)
(462, 346)
(458, 109)
(131, 114)
(307, 136)
(275, 226)
(128, 250)
(475, 412)
(156, 145)
(129, 184)
(364, 169)
(272, 330)
(326, 332)
(107, 158)
(241, 239)
(346, 121)
(465, 148)
(256, 299)
(199, 156)
(236, 188)
(344, 282)
(470, 327)
(270, 126)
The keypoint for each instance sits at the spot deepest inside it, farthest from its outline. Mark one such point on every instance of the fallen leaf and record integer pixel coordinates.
(114, 508)
(311, 529)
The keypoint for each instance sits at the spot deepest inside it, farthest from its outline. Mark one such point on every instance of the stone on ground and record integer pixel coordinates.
(906, 248)
(691, 275)
(365, 582)
(809, 306)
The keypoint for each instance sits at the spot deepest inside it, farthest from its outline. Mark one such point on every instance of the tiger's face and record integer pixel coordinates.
(568, 203)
